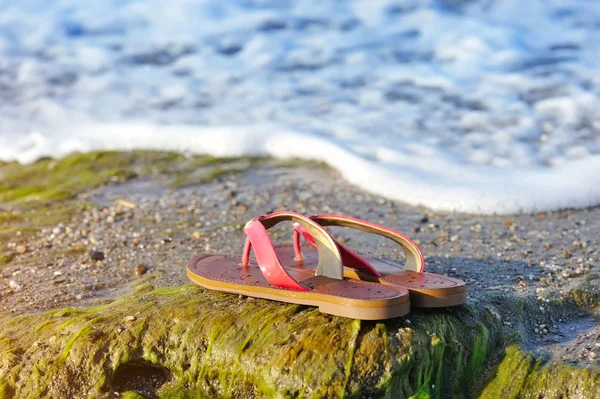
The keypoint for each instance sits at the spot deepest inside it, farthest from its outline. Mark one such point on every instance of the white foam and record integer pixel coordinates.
(487, 106)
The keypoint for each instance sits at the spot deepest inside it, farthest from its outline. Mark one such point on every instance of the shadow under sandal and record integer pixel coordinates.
(427, 290)
(324, 286)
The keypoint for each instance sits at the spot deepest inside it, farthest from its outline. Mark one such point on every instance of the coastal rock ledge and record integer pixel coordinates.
(188, 342)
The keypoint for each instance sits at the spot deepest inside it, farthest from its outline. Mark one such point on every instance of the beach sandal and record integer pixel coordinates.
(427, 290)
(323, 286)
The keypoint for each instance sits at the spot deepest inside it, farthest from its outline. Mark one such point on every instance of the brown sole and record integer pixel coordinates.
(337, 306)
(423, 300)
(419, 297)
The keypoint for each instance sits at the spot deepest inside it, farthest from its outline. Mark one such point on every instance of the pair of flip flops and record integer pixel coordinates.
(327, 274)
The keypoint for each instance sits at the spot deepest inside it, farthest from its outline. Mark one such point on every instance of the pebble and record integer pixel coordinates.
(140, 269)
(97, 255)
(476, 228)
(196, 235)
(14, 285)
(129, 318)
(125, 203)
(21, 249)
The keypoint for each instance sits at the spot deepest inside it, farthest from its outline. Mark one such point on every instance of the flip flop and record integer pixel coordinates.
(427, 290)
(324, 286)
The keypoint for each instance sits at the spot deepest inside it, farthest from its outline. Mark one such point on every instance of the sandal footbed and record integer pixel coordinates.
(349, 298)
(426, 289)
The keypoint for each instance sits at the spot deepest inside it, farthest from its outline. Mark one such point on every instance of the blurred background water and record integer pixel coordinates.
(479, 106)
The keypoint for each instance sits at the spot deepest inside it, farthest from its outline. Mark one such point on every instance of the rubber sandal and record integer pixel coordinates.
(323, 286)
(427, 290)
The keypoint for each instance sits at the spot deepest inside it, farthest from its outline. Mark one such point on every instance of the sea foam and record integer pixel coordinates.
(474, 106)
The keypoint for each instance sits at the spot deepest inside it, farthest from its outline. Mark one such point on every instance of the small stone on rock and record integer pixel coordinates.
(196, 235)
(97, 255)
(476, 228)
(140, 269)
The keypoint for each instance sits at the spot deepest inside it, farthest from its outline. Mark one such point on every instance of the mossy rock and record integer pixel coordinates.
(521, 375)
(189, 342)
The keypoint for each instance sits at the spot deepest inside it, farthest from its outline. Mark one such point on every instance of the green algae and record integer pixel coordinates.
(586, 296)
(592, 276)
(202, 177)
(61, 180)
(218, 345)
(48, 179)
(458, 341)
(205, 169)
(132, 395)
(45, 193)
(521, 375)
(297, 162)
(6, 258)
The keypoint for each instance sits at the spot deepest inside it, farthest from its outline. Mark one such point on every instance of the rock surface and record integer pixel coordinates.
(531, 328)
(190, 342)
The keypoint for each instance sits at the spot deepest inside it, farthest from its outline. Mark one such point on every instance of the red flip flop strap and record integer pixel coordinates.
(349, 258)
(330, 261)
(267, 259)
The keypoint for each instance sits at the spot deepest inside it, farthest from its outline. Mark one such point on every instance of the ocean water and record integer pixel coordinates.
(489, 106)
